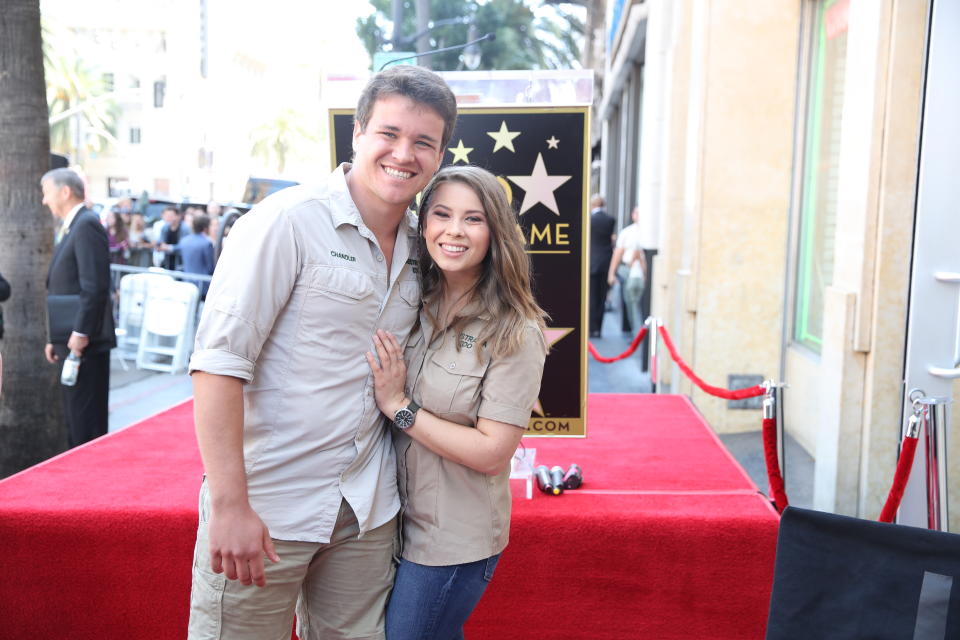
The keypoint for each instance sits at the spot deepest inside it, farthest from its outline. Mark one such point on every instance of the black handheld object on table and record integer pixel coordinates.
(573, 478)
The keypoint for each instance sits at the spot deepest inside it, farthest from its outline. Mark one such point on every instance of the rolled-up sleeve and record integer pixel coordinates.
(252, 282)
(511, 385)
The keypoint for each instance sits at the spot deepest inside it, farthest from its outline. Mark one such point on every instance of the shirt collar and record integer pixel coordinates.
(71, 215)
(346, 211)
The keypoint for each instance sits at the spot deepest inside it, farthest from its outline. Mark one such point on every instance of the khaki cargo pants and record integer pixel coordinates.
(338, 589)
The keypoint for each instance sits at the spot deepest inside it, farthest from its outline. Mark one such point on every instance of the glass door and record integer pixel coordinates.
(933, 333)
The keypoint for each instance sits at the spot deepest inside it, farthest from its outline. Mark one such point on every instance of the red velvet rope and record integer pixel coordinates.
(904, 465)
(633, 347)
(737, 394)
(777, 490)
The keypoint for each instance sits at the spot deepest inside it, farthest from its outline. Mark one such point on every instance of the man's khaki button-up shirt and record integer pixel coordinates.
(297, 295)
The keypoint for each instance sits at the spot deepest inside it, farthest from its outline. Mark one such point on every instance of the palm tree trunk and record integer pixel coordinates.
(31, 419)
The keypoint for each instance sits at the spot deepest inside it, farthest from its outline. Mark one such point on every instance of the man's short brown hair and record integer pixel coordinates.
(420, 85)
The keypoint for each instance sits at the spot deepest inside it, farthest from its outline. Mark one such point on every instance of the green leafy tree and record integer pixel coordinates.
(529, 35)
(31, 423)
(275, 140)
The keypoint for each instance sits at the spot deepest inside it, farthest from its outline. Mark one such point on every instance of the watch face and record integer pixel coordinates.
(403, 418)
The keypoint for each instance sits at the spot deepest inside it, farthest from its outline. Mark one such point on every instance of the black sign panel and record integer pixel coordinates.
(540, 157)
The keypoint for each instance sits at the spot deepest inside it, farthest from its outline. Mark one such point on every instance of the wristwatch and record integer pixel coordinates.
(404, 417)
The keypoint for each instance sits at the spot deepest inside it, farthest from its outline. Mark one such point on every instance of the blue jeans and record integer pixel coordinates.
(433, 603)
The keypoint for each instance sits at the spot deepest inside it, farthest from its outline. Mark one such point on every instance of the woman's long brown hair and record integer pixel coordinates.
(503, 291)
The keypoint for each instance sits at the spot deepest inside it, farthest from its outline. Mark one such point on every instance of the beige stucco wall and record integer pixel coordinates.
(727, 193)
(729, 157)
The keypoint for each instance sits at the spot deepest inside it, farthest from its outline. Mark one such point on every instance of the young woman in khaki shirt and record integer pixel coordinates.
(460, 395)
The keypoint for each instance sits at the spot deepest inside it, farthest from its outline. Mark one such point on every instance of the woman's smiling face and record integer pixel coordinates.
(456, 231)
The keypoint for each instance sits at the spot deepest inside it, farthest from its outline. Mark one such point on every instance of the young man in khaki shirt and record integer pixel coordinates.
(298, 465)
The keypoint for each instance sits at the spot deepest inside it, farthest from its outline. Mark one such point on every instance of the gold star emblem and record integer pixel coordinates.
(460, 153)
(552, 142)
(539, 187)
(551, 335)
(504, 137)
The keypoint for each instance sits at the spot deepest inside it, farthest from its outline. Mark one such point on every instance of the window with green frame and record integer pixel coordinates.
(821, 164)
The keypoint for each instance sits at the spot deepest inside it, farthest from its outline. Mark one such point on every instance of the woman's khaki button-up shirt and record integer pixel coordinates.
(453, 514)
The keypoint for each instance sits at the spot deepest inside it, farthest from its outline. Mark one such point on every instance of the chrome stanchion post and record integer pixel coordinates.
(653, 335)
(773, 408)
(770, 403)
(934, 419)
(781, 433)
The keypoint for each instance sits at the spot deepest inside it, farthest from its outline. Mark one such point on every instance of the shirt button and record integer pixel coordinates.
(379, 257)
(453, 365)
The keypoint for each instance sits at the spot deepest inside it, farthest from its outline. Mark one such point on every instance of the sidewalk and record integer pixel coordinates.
(138, 394)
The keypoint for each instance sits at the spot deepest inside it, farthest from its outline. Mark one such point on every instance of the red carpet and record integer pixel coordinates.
(667, 538)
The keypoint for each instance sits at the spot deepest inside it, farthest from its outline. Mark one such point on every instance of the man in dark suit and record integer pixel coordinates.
(602, 238)
(171, 233)
(81, 267)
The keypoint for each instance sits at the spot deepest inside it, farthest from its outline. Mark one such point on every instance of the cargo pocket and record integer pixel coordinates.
(409, 292)
(206, 593)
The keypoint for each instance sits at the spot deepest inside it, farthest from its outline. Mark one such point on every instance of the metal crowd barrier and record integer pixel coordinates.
(118, 271)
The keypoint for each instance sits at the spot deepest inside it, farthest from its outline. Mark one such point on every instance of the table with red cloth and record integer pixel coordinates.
(667, 538)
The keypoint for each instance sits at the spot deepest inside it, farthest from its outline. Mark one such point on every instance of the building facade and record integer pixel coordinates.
(196, 83)
(774, 150)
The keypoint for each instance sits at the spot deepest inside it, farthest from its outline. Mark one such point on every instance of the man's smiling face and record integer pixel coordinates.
(396, 154)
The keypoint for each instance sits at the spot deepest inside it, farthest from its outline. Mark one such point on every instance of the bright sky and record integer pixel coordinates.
(293, 30)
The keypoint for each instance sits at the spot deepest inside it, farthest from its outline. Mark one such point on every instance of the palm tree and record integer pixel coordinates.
(31, 422)
(529, 35)
(276, 139)
(82, 109)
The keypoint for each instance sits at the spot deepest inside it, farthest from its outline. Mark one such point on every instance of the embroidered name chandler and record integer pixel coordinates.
(342, 256)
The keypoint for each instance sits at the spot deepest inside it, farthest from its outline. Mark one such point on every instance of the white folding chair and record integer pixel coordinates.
(134, 289)
(167, 331)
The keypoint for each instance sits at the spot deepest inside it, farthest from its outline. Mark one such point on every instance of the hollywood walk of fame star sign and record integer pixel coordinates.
(547, 187)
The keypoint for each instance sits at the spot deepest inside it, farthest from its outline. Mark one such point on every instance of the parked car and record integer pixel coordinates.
(259, 188)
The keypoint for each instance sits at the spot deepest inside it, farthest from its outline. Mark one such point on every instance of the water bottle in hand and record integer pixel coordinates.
(71, 369)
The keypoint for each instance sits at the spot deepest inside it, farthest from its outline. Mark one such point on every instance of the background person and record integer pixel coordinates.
(196, 251)
(227, 220)
(170, 235)
(298, 464)
(140, 248)
(4, 295)
(214, 209)
(629, 266)
(473, 371)
(81, 267)
(602, 237)
(117, 238)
